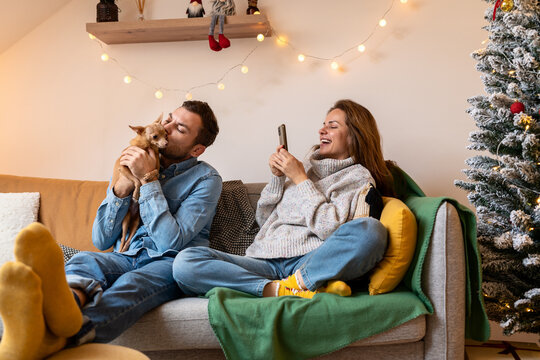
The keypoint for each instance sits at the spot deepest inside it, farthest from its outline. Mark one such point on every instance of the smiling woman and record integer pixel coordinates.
(304, 204)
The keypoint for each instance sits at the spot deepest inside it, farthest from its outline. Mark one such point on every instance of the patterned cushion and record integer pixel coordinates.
(68, 252)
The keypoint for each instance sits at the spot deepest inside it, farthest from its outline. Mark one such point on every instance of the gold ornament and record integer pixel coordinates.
(507, 5)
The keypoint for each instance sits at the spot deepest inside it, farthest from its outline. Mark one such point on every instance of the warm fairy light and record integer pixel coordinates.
(507, 306)
(221, 86)
(127, 79)
(301, 58)
(538, 200)
(281, 40)
(260, 37)
(244, 69)
(493, 71)
(334, 65)
(92, 37)
(529, 310)
(189, 96)
(104, 57)
(257, 13)
(511, 72)
(382, 22)
(403, 1)
(485, 41)
(531, 229)
(361, 47)
(495, 168)
(158, 94)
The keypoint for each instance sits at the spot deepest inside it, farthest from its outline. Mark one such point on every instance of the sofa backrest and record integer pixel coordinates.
(67, 207)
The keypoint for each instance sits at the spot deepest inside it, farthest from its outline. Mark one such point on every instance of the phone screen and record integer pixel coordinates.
(282, 132)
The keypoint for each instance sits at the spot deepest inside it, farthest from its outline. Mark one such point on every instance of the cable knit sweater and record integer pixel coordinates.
(296, 219)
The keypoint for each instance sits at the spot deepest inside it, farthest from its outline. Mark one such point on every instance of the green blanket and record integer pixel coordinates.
(295, 328)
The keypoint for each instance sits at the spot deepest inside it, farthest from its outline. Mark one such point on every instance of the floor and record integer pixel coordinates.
(504, 350)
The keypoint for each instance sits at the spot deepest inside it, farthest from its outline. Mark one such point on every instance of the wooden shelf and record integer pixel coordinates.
(186, 29)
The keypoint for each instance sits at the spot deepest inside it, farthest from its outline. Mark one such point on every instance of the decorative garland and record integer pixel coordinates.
(188, 93)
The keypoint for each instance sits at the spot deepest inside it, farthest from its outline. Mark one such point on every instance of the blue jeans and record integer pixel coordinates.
(120, 289)
(350, 252)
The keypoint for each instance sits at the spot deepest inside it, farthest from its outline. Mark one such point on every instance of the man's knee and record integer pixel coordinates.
(187, 263)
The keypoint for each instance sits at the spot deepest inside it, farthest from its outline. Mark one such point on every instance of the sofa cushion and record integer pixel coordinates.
(183, 324)
(17, 210)
(402, 229)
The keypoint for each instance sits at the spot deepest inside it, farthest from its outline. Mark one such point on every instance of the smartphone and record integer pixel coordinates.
(282, 132)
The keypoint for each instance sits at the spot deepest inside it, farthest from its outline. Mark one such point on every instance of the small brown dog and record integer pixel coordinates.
(153, 136)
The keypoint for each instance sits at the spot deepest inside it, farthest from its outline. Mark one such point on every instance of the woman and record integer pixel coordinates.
(299, 210)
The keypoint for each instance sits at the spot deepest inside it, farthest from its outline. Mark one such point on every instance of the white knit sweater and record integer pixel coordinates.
(296, 219)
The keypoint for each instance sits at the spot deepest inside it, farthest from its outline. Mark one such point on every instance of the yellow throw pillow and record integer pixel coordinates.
(402, 229)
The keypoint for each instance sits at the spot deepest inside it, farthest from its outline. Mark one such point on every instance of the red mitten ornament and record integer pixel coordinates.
(214, 45)
(517, 107)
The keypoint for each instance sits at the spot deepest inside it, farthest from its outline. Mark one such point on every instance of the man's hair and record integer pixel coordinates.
(210, 127)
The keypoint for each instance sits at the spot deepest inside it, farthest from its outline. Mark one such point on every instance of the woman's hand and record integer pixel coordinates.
(288, 165)
(273, 162)
(138, 161)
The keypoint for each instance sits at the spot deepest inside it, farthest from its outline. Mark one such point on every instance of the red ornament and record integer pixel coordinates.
(517, 107)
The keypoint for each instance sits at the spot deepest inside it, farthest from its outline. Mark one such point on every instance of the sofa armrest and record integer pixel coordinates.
(444, 284)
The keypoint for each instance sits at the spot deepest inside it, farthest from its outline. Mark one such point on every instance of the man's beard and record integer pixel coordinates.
(175, 157)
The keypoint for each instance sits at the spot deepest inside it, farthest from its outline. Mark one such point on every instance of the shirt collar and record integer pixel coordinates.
(181, 166)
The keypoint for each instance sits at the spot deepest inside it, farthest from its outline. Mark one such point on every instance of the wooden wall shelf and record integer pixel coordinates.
(186, 29)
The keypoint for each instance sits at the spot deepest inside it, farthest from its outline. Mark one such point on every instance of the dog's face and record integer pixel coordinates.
(156, 134)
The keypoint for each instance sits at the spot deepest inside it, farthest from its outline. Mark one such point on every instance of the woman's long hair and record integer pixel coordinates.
(365, 144)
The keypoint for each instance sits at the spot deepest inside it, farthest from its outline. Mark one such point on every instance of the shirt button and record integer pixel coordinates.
(111, 221)
(117, 203)
(162, 176)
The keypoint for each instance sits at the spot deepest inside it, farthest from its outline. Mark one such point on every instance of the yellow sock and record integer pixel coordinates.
(337, 287)
(285, 291)
(25, 335)
(291, 282)
(35, 247)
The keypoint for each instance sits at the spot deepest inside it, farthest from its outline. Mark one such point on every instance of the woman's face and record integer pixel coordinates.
(334, 136)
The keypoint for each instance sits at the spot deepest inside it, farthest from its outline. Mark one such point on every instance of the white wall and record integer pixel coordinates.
(64, 113)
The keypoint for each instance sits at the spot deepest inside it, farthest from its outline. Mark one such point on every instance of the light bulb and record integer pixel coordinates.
(281, 40)
(92, 37)
(244, 69)
(334, 65)
(257, 13)
(127, 79)
(260, 37)
(104, 57)
(301, 58)
(403, 1)
(158, 94)
(221, 86)
(189, 96)
(382, 23)
(362, 48)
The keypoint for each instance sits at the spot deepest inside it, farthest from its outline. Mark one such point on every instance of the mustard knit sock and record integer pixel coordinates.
(25, 336)
(289, 282)
(35, 247)
(337, 287)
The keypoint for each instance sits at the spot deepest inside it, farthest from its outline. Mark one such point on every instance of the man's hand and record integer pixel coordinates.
(139, 161)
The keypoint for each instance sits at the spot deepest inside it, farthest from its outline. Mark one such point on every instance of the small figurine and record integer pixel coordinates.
(252, 7)
(195, 9)
(220, 9)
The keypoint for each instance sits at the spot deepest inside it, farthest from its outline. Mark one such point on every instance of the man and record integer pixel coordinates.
(114, 289)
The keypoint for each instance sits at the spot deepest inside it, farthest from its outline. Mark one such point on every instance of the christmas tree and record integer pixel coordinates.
(504, 178)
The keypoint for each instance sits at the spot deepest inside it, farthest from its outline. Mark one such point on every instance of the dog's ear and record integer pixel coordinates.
(158, 120)
(138, 129)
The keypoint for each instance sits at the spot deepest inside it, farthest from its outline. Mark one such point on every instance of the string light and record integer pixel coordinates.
(281, 40)
(496, 168)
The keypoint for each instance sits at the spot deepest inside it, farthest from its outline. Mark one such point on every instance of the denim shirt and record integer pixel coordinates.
(176, 211)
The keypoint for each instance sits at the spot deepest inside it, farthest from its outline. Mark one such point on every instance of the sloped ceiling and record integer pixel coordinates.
(19, 17)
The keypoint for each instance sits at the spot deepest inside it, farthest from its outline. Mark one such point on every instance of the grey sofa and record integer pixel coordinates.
(180, 329)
